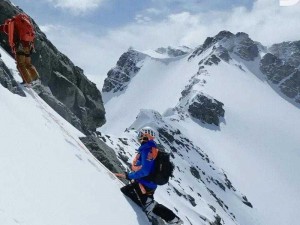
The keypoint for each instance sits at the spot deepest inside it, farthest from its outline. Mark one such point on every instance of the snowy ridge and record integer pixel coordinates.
(129, 64)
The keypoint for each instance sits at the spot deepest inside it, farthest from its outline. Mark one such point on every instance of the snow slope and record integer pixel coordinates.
(258, 142)
(155, 87)
(47, 175)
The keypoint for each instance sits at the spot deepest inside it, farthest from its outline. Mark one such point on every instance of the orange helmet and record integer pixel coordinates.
(146, 133)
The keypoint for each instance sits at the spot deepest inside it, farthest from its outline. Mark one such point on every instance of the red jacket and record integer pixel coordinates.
(4, 28)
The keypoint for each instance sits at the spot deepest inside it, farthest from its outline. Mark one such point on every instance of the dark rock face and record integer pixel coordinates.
(60, 108)
(210, 41)
(288, 52)
(224, 54)
(127, 67)
(103, 153)
(218, 221)
(7, 80)
(62, 82)
(283, 74)
(211, 60)
(206, 109)
(246, 48)
(246, 202)
(239, 44)
(195, 172)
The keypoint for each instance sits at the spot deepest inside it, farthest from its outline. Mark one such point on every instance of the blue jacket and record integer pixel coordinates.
(146, 163)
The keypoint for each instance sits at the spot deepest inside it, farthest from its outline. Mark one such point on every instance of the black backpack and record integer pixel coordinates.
(163, 169)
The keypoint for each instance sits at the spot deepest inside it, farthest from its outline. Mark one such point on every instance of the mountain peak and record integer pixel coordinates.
(119, 77)
(226, 42)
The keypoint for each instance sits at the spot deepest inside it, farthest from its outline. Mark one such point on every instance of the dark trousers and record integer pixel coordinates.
(134, 192)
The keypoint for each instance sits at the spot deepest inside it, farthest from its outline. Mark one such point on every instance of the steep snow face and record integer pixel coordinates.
(156, 87)
(256, 140)
(48, 176)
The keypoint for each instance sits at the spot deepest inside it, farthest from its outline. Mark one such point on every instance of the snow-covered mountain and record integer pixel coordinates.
(47, 175)
(228, 111)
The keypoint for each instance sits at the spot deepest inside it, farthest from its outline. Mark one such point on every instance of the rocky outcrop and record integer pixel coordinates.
(288, 52)
(127, 67)
(62, 82)
(103, 153)
(226, 42)
(7, 80)
(206, 109)
(210, 41)
(282, 73)
(245, 47)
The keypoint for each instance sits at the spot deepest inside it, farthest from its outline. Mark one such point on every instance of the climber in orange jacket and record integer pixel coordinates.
(20, 32)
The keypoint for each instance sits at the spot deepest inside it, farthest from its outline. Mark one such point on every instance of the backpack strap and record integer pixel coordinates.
(134, 167)
(9, 23)
(152, 154)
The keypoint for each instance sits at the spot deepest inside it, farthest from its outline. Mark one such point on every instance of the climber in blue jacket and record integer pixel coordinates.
(143, 164)
(141, 189)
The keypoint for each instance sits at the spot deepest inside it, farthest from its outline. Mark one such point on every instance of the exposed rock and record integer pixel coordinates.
(224, 54)
(61, 79)
(60, 108)
(127, 67)
(217, 221)
(289, 52)
(246, 48)
(210, 41)
(246, 202)
(206, 109)
(226, 42)
(211, 60)
(103, 153)
(7, 80)
(195, 172)
(228, 183)
(192, 200)
(163, 134)
(280, 72)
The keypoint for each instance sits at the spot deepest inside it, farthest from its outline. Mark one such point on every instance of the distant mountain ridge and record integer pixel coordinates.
(279, 63)
(213, 106)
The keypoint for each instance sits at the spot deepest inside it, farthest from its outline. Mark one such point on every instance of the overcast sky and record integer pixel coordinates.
(94, 33)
